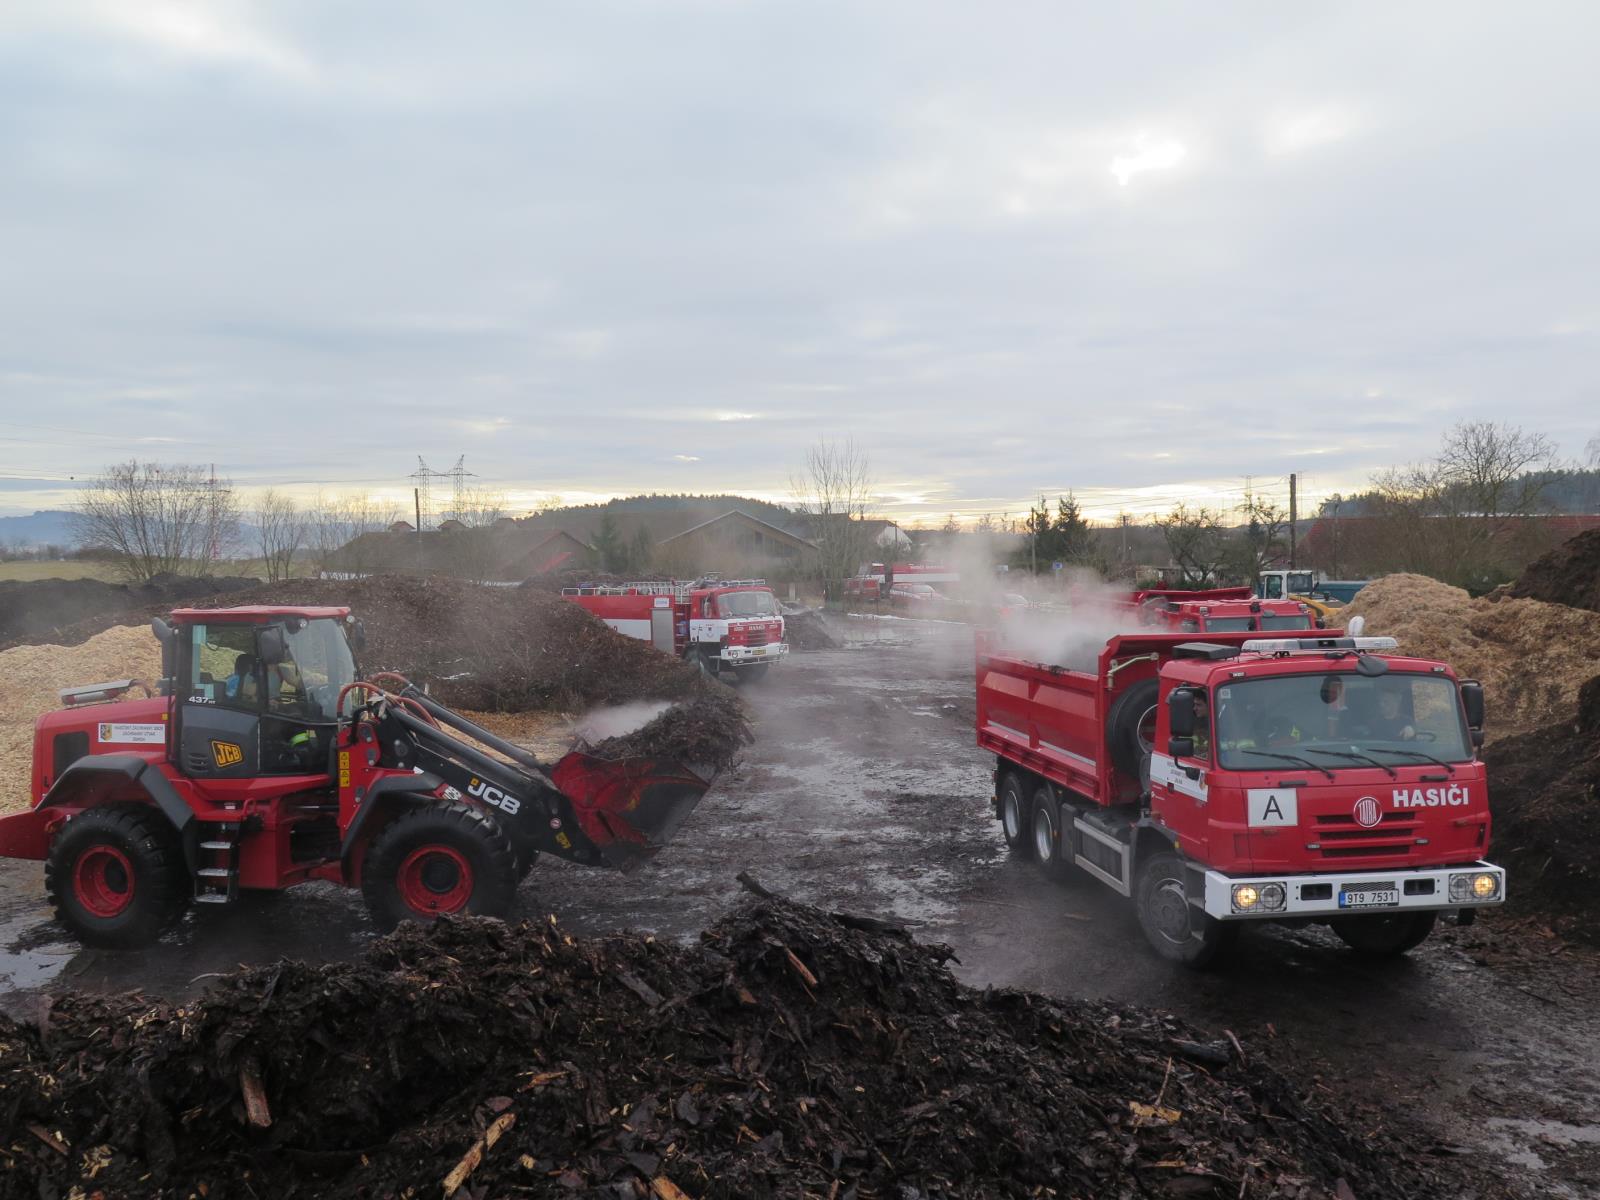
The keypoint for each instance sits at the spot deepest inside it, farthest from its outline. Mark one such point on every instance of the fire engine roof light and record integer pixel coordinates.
(1314, 645)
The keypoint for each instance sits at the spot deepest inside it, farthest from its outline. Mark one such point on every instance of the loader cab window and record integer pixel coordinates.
(308, 683)
(223, 666)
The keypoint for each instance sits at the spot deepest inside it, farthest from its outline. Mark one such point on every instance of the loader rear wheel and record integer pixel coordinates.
(1014, 818)
(116, 876)
(439, 860)
(1385, 936)
(1175, 929)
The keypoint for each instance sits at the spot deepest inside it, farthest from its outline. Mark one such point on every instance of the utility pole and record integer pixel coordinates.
(1293, 517)
(1034, 521)
(416, 499)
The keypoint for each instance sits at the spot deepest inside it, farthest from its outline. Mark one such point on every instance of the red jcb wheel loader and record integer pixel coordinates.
(260, 761)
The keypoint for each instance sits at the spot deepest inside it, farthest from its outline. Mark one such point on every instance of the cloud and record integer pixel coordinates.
(1150, 155)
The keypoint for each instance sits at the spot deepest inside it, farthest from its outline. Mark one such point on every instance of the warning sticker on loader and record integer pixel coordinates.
(1273, 806)
(226, 754)
(133, 735)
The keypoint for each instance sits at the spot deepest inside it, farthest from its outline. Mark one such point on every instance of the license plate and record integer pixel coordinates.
(1369, 898)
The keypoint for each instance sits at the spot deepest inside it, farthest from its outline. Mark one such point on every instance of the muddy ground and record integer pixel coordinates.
(864, 791)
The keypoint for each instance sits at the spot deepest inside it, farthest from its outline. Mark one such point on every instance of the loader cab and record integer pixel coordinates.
(256, 690)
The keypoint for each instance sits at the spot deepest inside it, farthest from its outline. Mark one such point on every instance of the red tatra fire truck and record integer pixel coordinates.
(1220, 610)
(718, 625)
(1298, 779)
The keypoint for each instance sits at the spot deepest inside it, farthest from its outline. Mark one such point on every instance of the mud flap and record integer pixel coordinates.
(628, 809)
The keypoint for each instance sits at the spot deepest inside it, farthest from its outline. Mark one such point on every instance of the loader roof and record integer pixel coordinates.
(259, 613)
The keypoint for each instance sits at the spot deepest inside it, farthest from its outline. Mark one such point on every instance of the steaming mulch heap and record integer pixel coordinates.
(1544, 792)
(1569, 574)
(791, 1053)
(37, 610)
(807, 629)
(1531, 656)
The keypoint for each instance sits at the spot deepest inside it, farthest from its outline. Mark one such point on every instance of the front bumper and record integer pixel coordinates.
(1324, 890)
(747, 655)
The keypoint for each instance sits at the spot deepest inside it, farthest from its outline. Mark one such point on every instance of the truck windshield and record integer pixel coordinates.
(1228, 624)
(1395, 718)
(747, 604)
(319, 666)
(1285, 621)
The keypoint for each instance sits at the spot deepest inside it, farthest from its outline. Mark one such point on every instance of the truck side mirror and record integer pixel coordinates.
(1180, 747)
(274, 647)
(358, 636)
(1180, 712)
(1472, 701)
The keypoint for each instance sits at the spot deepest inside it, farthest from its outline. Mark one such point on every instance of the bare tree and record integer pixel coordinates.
(1462, 517)
(1196, 542)
(834, 489)
(155, 518)
(1260, 540)
(280, 533)
(341, 529)
(1591, 453)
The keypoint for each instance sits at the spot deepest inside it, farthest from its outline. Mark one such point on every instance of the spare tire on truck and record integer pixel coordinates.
(1131, 728)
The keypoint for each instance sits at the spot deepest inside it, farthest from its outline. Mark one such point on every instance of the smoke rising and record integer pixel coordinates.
(1070, 627)
(619, 720)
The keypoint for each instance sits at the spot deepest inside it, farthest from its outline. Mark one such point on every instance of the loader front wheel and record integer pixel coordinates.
(439, 860)
(116, 876)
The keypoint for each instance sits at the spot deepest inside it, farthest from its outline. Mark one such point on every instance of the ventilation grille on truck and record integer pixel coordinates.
(1395, 836)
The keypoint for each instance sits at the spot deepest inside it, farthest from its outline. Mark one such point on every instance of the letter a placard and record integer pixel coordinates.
(1273, 806)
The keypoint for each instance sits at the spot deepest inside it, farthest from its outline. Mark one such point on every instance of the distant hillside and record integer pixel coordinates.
(50, 527)
(703, 508)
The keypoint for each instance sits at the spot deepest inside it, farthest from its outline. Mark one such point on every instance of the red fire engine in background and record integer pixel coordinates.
(731, 626)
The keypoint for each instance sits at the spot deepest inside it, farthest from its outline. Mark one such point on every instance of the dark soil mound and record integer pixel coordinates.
(1569, 574)
(710, 728)
(1544, 791)
(790, 1054)
(39, 610)
(806, 629)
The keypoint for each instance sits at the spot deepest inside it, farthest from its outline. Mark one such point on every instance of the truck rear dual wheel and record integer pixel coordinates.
(1176, 929)
(1052, 844)
(1015, 818)
(439, 860)
(1385, 936)
(116, 876)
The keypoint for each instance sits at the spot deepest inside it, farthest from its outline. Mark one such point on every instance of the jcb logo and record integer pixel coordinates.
(226, 754)
(493, 795)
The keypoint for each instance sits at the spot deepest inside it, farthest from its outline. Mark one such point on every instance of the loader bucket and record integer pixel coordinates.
(629, 808)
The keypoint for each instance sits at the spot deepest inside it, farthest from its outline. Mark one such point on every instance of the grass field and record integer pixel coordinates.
(108, 572)
(58, 570)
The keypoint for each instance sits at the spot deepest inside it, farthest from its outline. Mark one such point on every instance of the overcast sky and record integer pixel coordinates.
(1139, 250)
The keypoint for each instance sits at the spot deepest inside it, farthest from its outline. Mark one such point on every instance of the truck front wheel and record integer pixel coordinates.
(1175, 929)
(439, 860)
(1013, 804)
(116, 876)
(1385, 936)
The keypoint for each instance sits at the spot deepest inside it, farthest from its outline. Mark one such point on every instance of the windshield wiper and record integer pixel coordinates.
(1393, 774)
(1289, 758)
(1417, 754)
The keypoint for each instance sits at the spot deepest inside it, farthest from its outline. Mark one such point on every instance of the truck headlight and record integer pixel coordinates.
(1259, 897)
(1474, 886)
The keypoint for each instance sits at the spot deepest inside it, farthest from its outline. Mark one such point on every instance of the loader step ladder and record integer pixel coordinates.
(216, 881)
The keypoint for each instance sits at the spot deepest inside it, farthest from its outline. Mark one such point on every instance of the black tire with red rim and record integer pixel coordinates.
(116, 875)
(439, 860)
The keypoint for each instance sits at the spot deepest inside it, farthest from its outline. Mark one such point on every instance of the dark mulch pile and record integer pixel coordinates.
(709, 728)
(1544, 793)
(39, 611)
(1569, 574)
(805, 629)
(791, 1053)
